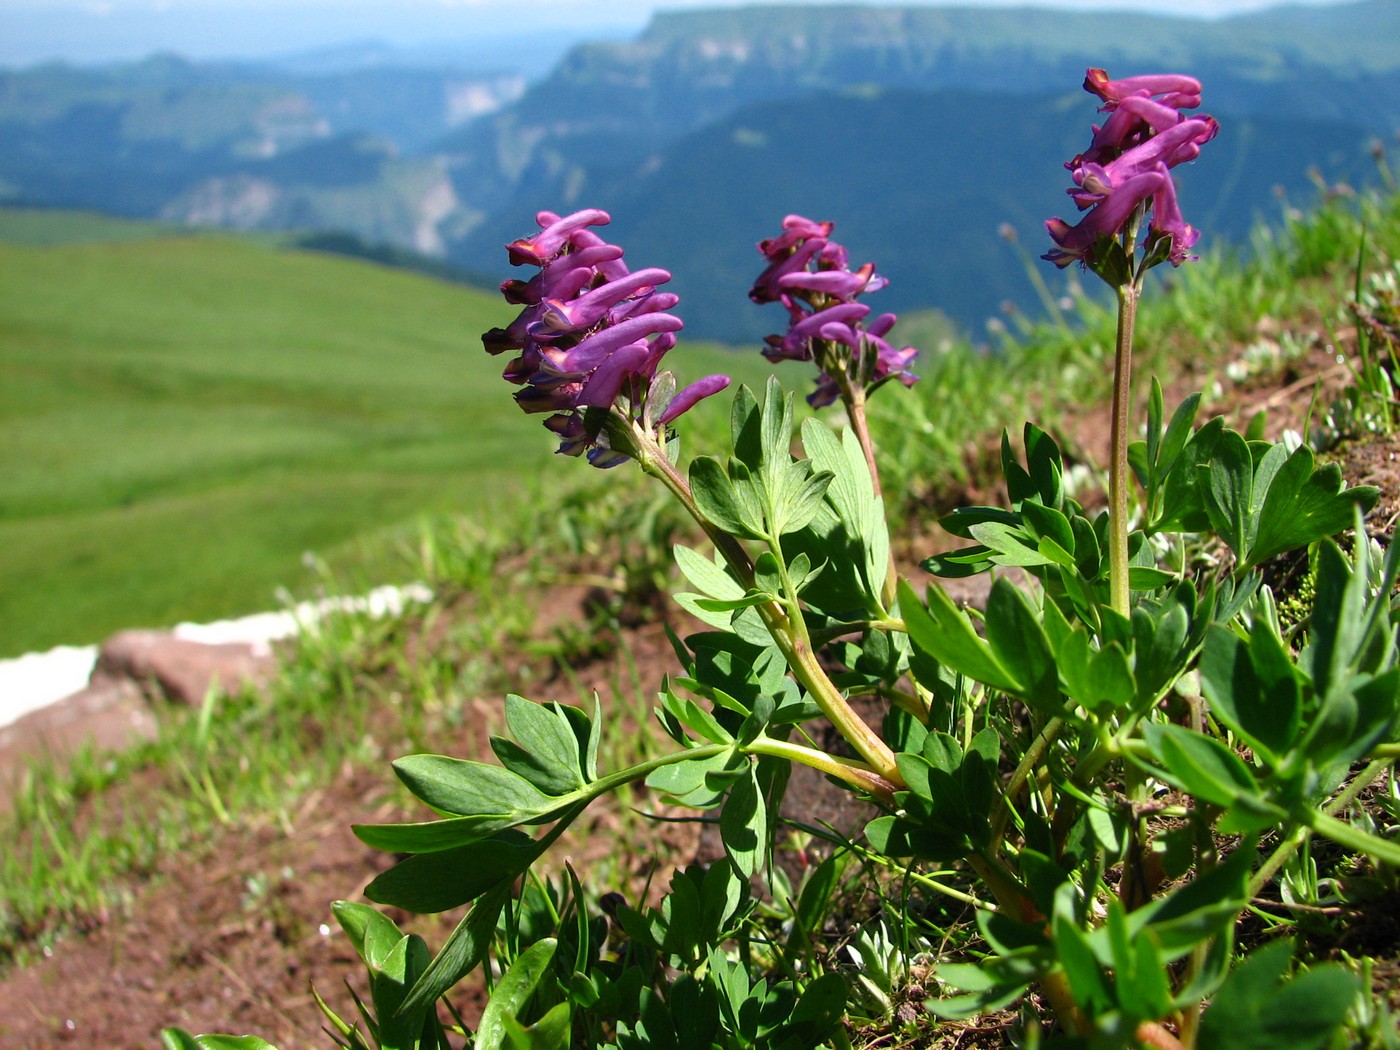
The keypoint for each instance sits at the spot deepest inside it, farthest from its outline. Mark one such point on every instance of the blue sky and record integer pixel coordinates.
(108, 30)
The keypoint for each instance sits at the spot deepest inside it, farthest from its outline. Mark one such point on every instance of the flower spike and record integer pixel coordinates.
(1127, 168)
(590, 337)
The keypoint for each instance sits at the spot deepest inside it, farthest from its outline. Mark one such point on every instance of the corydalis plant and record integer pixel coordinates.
(1124, 175)
(591, 337)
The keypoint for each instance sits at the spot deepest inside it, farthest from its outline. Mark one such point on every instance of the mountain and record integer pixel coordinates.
(913, 189)
(705, 129)
(709, 127)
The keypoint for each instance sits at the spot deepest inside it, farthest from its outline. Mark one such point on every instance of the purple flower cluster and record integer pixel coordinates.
(590, 336)
(1129, 162)
(810, 275)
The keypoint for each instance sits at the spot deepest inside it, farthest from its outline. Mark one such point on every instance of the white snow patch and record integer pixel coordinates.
(36, 680)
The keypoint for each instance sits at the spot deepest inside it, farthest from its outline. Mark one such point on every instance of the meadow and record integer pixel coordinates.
(185, 417)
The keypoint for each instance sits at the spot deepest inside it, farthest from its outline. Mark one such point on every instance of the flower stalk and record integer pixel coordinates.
(1120, 594)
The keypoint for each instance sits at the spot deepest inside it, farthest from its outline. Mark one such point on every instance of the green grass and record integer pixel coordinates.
(44, 227)
(182, 418)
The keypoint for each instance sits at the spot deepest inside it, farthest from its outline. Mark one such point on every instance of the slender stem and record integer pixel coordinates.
(853, 395)
(1118, 476)
(1280, 856)
(1028, 763)
(857, 774)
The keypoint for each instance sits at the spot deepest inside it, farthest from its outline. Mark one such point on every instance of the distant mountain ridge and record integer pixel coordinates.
(691, 132)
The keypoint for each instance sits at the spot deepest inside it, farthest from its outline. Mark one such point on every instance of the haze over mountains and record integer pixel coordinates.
(920, 131)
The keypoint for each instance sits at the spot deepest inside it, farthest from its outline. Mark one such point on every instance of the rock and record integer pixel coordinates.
(109, 715)
(180, 670)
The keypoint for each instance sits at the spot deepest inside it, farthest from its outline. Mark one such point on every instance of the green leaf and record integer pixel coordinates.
(1304, 505)
(776, 429)
(1041, 480)
(716, 498)
(1010, 545)
(512, 993)
(1202, 909)
(373, 933)
(464, 788)
(744, 824)
(850, 487)
(1253, 688)
(400, 1027)
(1178, 433)
(801, 497)
(697, 781)
(750, 499)
(960, 521)
(816, 895)
(709, 577)
(1183, 499)
(550, 1032)
(465, 948)
(1142, 984)
(1147, 578)
(1099, 680)
(179, 1039)
(545, 750)
(1020, 646)
(1228, 489)
(693, 716)
(1049, 524)
(691, 604)
(715, 605)
(1086, 979)
(898, 837)
(434, 882)
(1337, 624)
(745, 428)
(1155, 409)
(1199, 765)
(959, 564)
(1256, 1010)
(818, 1012)
(944, 632)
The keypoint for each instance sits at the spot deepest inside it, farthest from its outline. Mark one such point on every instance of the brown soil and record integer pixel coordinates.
(230, 940)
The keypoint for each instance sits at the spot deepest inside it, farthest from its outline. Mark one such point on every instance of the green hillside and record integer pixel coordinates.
(181, 418)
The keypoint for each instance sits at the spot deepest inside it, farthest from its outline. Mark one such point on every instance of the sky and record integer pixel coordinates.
(88, 31)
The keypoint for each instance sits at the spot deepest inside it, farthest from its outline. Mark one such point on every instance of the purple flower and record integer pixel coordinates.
(809, 274)
(590, 337)
(1177, 91)
(1128, 165)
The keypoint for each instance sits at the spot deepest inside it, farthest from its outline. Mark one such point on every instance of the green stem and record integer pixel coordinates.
(848, 770)
(1013, 901)
(1342, 833)
(1118, 475)
(1325, 823)
(853, 395)
(1028, 763)
(856, 774)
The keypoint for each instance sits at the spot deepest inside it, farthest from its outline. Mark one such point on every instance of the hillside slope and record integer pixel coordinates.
(182, 418)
